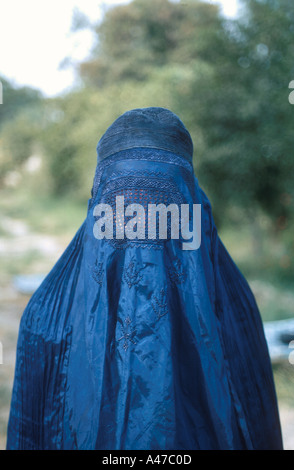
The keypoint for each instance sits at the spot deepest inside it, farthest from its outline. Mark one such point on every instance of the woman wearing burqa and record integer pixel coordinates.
(140, 343)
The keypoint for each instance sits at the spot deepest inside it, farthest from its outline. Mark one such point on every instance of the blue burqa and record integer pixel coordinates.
(137, 343)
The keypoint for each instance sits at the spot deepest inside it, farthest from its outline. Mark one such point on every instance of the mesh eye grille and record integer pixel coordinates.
(141, 191)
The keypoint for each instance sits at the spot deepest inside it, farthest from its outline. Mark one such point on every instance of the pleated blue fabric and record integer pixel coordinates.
(137, 343)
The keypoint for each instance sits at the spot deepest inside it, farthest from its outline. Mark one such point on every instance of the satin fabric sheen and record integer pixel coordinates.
(132, 344)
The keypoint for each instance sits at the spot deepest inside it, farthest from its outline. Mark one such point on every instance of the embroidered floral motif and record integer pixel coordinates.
(159, 304)
(125, 243)
(128, 333)
(139, 173)
(98, 272)
(176, 272)
(131, 275)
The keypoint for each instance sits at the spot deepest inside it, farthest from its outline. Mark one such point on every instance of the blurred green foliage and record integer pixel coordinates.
(226, 79)
(245, 115)
(17, 100)
(19, 125)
